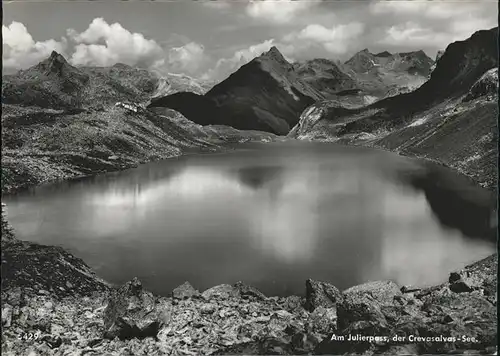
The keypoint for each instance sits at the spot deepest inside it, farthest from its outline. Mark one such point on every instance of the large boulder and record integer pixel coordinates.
(185, 291)
(463, 281)
(367, 309)
(249, 292)
(363, 306)
(133, 312)
(222, 291)
(321, 294)
(380, 291)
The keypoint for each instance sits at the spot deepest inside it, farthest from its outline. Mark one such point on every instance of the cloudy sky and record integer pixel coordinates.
(210, 39)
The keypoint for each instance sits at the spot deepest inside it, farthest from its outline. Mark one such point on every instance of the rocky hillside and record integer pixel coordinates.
(269, 93)
(266, 94)
(41, 145)
(386, 74)
(55, 84)
(59, 121)
(366, 77)
(172, 83)
(451, 118)
(325, 76)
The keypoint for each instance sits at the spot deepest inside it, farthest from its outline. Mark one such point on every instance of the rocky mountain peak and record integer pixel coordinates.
(273, 54)
(322, 61)
(360, 56)
(56, 55)
(122, 66)
(420, 54)
(462, 64)
(274, 51)
(384, 54)
(55, 63)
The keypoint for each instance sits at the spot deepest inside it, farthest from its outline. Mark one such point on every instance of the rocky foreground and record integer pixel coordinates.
(53, 304)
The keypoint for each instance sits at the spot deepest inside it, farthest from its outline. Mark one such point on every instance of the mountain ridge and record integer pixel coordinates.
(264, 94)
(54, 83)
(451, 118)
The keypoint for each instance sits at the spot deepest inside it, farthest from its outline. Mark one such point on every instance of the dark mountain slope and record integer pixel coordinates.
(198, 108)
(265, 94)
(452, 118)
(461, 65)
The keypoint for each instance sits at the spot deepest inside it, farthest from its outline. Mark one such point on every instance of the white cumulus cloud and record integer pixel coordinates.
(419, 36)
(336, 40)
(432, 24)
(188, 58)
(226, 66)
(411, 32)
(435, 9)
(21, 51)
(278, 11)
(102, 44)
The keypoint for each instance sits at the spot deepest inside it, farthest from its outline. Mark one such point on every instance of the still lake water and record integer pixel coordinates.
(270, 215)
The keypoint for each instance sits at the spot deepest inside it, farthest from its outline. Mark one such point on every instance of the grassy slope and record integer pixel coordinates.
(42, 145)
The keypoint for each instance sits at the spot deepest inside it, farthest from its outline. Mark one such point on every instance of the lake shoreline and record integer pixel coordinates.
(293, 324)
(221, 147)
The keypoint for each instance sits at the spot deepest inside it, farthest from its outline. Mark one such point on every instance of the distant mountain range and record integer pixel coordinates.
(385, 74)
(171, 83)
(54, 83)
(400, 101)
(269, 93)
(265, 94)
(451, 118)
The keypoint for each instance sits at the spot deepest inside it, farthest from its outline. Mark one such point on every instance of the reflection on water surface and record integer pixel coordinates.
(269, 215)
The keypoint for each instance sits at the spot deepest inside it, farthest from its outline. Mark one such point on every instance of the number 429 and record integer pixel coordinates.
(29, 336)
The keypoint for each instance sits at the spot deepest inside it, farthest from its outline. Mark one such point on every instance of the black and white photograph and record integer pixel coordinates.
(249, 177)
